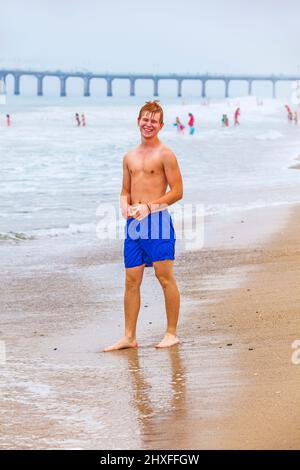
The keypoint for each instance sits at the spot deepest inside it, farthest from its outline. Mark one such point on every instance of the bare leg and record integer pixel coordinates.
(132, 302)
(165, 275)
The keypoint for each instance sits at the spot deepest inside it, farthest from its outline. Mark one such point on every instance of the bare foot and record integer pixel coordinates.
(168, 340)
(124, 343)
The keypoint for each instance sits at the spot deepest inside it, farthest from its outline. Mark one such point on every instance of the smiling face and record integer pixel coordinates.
(149, 124)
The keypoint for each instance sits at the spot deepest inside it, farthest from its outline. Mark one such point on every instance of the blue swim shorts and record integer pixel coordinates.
(148, 240)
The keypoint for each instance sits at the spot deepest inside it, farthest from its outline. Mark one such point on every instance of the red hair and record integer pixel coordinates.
(152, 107)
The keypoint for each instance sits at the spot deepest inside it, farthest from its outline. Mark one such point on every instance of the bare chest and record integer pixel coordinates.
(146, 165)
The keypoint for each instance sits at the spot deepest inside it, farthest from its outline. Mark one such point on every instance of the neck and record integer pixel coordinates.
(153, 142)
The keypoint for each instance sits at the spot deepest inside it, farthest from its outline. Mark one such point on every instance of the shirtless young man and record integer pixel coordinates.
(148, 170)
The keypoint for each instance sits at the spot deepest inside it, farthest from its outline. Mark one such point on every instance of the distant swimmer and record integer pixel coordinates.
(225, 120)
(236, 116)
(83, 121)
(289, 113)
(179, 125)
(191, 124)
(8, 120)
(77, 118)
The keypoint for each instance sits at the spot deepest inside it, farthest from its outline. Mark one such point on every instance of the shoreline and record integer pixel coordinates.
(197, 395)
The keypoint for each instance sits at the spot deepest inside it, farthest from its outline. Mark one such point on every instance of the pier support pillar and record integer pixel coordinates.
(63, 91)
(109, 86)
(86, 86)
(203, 94)
(179, 88)
(274, 89)
(40, 79)
(249, 87)
(132, 87)
(17, 84)
(2, 89)
(155, 81)
(227, 88)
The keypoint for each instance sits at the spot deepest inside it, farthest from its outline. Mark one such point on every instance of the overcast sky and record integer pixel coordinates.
(151, 35)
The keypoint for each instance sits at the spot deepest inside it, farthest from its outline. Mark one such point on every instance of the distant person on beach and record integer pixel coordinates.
(236, 116)
(191, 124)
(225, 121)
(289, 113)
(8, 120)
(179, 125)
(83, 121)
(148, 170)
(296, 117)
(77, 119)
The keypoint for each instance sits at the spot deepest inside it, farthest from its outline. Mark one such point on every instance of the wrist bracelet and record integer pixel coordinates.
(148, 205)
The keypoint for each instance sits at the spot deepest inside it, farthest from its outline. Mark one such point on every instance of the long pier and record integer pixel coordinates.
(86, 78)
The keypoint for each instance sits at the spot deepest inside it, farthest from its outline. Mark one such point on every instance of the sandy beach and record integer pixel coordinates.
(230, 384)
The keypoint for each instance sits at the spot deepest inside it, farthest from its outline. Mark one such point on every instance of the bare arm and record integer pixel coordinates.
(125, 198)
(174, 179)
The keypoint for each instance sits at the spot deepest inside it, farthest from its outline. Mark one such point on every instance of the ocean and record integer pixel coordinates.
(55, 175)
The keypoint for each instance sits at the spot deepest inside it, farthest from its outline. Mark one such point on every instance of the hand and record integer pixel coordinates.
(126, 211)
(140, 211)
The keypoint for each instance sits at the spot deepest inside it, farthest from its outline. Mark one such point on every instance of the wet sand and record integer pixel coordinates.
(229, 384)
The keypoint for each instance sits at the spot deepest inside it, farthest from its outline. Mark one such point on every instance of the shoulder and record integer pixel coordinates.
(167, 155)
(128, 155)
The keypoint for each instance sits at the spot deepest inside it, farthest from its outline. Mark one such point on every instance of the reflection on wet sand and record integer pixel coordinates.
(159, 395)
